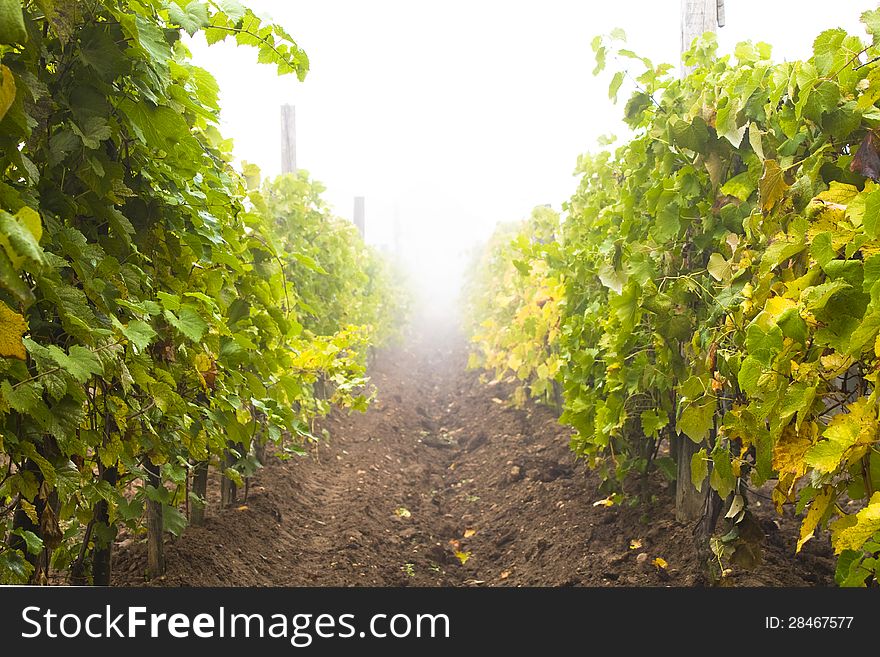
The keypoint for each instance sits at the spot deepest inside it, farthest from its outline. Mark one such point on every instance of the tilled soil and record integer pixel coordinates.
(442, 483)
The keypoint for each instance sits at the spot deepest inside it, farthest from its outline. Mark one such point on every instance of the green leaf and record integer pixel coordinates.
(93, 131)
(17, 239)
(697, 410)
(793, 326)
(818, 296)
(192, 17)
(611, 278)
(749, 375)
(614, 87)
(524, 268)
(845, 432)
(14, 568)
(173, 521)
(755, 140)
(635, 106)
(822, 249)
(232, 8)
(871, 218)
(871, 20)
(864, 335)
(23, 397)
(762, 344)
(139, 333)
(187, 321)
(12, 29)
(667, 224)
(80, 363)
(719, 268)
(309, 263)
(45, 467)
(693, 136)
(798, 399)
(653, 420)
(855, 531)
(722, 478)
(850, 572)
(726, 122)
(699, 469)
(825, 47)
(740, 186)
(33, 542)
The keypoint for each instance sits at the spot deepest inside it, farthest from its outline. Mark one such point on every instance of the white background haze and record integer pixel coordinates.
(452, 116)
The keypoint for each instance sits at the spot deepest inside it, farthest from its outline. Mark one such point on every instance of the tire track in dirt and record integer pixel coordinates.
(440, 457)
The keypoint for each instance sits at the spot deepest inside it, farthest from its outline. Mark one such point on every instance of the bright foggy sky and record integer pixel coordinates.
(455, 115)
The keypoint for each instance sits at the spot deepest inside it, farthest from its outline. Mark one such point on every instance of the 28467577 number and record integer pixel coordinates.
(808, 622)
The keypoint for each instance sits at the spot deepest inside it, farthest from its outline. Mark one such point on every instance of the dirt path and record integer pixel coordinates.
(441, 465)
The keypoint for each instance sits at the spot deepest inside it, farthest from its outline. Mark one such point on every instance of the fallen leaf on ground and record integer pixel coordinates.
(660, 562)
(635, 544)
(606, 502)
(469, 532)
(505, 574)
(402, 512)
(243, 507)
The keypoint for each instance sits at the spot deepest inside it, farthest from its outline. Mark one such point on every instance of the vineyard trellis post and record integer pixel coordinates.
(697, 17)
(288, 139)
(359, 214)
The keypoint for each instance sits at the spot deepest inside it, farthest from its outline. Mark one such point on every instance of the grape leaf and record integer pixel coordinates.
(12, 327)
(772, 185)
(7, 90)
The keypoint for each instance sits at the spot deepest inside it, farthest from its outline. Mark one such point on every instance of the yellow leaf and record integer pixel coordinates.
(660, 562)
(12, 327)
(778, 305)
(835, 363)
(462, 556)
(30, 511)
(788, 454)
(814, 515)
(772, 185)
(31, 220)
(469, 532)
(7, 90)
(505, 574)
(243, 507)
(852, 531)
(635, 544)
(606, 502)
(402, 512)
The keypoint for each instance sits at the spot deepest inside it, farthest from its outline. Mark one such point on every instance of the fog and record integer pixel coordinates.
(452, 116)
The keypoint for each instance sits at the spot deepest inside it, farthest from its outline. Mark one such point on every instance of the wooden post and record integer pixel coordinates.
(228, 489)
(288, 139)
(103, 551)
(398, 254)
(359, 215)
(199, 489)
(155, 527)
(697, 17)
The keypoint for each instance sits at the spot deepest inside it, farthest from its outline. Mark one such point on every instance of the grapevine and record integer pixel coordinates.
(157, 311)
(720, 274)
